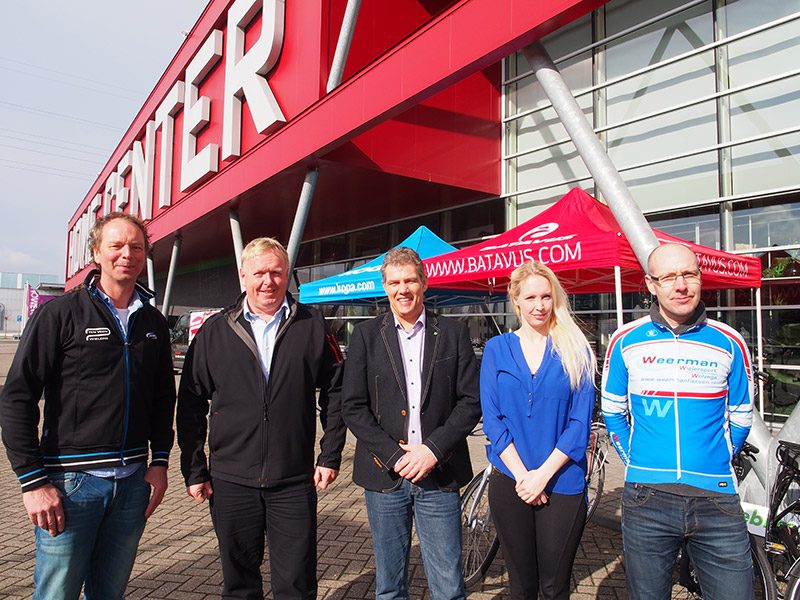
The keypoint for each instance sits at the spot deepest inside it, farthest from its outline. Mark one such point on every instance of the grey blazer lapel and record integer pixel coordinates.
(389, 335)
(430, 352)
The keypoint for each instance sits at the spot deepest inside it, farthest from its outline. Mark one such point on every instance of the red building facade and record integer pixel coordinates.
(242, 113)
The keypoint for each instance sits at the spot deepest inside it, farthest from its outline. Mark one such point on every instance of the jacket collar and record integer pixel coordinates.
(237, 308)
(389, 334)
(92, 278)
(234, 315)
(698, 317)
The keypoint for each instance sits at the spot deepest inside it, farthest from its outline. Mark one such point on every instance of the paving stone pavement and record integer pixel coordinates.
(178, 553)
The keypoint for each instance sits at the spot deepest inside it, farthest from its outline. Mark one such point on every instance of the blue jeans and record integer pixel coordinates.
(655, 523)
(437, 514)
(103, 522)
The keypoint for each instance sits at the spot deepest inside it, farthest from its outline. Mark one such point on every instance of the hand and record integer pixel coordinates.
(157, 478)
(44, 509)
(323, 477)
(200, 491)
(530, 487)
(417, 462)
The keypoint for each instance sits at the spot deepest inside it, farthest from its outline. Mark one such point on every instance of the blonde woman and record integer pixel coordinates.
(537, 394)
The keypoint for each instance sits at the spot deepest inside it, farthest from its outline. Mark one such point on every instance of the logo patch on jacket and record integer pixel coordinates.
(151, 336)
(97, 334)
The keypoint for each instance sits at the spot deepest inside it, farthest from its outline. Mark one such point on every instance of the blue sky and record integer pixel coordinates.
(74, 74)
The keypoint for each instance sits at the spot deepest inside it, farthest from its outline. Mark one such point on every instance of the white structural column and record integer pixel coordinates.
(300, 217)
(608, 180)
(173, 262)
(343, 44)
(238, 243)
(151, 276)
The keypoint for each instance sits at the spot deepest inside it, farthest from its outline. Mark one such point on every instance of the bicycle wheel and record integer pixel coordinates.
(479, 541)
(793, 582)
(595, 472)
(764, 580)
(687, 587)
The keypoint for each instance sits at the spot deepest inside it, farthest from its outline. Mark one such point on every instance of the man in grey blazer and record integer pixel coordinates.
(410, 397)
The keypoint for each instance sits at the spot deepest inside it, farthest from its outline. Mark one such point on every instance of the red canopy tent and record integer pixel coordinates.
(579, 238)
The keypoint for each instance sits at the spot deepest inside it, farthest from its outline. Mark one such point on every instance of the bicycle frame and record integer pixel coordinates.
(471, 517)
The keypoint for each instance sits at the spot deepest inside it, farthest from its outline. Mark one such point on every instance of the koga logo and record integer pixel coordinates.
(97, 334)
(533, 236)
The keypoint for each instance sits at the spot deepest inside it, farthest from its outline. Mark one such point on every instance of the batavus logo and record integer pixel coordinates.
(539, 231)
(537, 235)
(97, 334)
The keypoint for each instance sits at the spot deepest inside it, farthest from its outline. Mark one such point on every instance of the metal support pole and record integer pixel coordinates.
(173, 262)
(490, 317)
(608, 180)
(343, 44)
(760, 351)
(238, 244)
(303, 208)
(618, 295)
(151, 275)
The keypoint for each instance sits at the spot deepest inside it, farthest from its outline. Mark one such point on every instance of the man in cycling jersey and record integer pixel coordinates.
(677, 400)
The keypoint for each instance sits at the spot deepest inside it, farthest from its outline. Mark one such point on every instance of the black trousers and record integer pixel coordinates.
(539, 542)
(287, 516)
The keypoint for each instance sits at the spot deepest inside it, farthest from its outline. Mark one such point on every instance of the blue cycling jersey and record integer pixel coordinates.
(678, 405)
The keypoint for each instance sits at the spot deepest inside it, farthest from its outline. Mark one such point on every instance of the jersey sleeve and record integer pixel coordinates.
(740, 393)
(614, 398)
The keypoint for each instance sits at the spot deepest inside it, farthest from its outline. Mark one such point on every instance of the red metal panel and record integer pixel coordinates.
(452, 138)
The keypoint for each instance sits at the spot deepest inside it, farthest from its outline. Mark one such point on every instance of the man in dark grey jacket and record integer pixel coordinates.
(101, 355)
(410, 397)
(257, 365)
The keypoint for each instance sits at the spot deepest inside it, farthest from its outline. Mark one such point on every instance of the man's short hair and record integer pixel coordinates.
(400, 256)
(658, 249)
(96, 232)
(263, 245)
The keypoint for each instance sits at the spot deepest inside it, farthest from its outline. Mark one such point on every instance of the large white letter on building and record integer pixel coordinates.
(245, 73)
(165, 119)
(196, 166)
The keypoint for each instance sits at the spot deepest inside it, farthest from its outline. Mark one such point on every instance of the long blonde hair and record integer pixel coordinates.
(569, 341)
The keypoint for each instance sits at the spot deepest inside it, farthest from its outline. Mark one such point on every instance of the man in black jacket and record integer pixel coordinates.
(410, 397)
(258, 363)
(101, 355)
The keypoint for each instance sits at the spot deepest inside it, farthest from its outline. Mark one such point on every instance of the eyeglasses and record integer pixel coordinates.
(669, 279)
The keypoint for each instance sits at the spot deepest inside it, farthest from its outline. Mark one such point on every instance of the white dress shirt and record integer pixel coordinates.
(412, 345)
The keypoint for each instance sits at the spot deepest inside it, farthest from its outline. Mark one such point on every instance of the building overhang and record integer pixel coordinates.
(343, 131)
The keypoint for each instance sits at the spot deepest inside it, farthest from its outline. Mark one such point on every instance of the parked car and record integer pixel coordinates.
(186, 327)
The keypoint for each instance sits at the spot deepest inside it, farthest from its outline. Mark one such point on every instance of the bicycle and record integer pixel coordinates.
(479, 536)
(763, 584)
(781, 535)
(596, 459)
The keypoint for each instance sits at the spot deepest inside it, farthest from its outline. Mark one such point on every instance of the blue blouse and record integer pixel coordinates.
(536, 412)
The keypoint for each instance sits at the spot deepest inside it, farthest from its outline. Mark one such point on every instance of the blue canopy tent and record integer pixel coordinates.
(362, 285)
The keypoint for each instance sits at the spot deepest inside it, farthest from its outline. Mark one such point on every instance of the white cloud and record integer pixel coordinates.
(15, 261)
